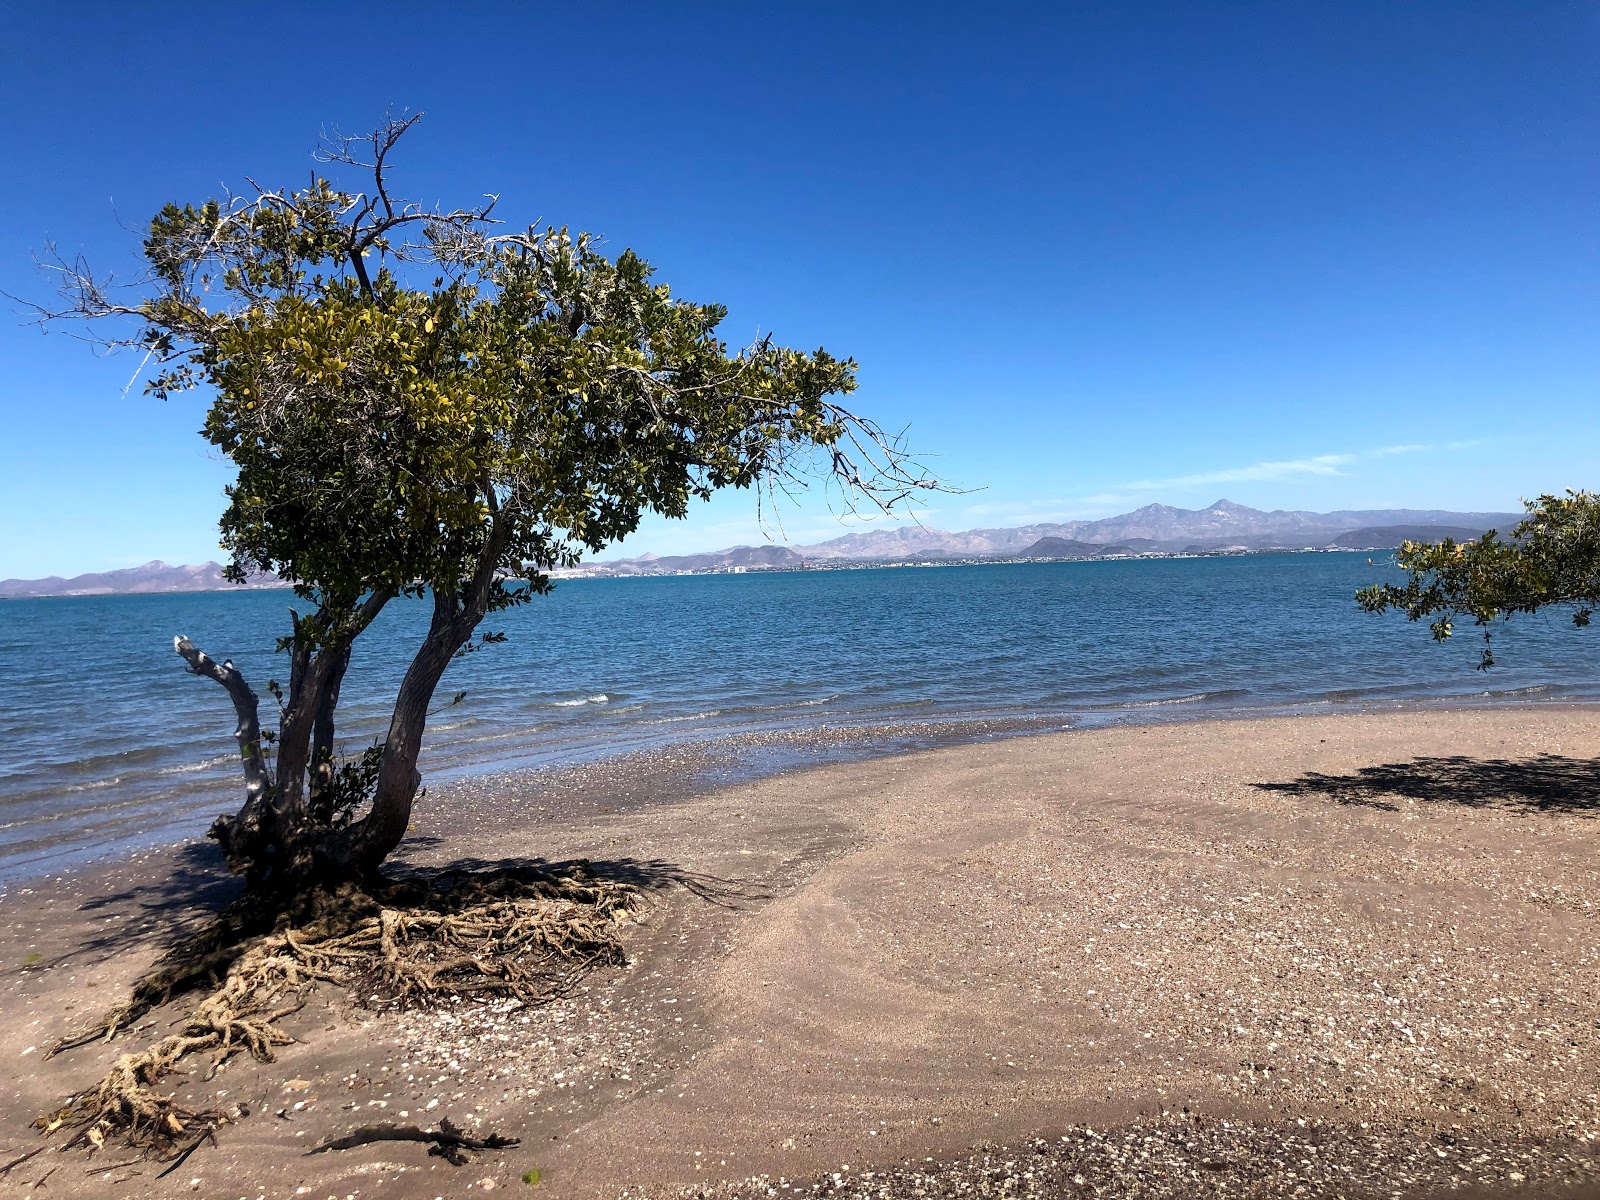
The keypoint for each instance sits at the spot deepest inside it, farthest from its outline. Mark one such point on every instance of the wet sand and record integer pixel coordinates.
(1345, 954)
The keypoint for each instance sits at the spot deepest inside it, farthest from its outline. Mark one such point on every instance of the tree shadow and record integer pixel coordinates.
(1548, 783)
(174, 904)
(172, 908)
(171, 902)
(647, 875)
(198, 878)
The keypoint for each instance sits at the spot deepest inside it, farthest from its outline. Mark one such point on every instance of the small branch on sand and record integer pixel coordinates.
(206, 1135)
(20, 1159)
(448, 1141)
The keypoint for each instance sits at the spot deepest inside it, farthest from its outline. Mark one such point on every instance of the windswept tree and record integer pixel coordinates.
(423, 404)
(1551, 560)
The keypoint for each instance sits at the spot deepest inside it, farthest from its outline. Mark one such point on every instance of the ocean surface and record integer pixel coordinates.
(106, 743)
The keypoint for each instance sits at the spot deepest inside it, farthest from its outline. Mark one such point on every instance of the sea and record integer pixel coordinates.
(107, 744)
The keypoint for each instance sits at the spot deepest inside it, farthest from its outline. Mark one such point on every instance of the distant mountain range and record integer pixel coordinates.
(1153, 529)
(151, 578)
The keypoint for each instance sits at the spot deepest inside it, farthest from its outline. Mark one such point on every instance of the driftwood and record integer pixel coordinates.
(20, 1159)
(448, 1141)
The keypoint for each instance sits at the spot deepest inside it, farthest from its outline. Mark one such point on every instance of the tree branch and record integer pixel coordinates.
(257, 775)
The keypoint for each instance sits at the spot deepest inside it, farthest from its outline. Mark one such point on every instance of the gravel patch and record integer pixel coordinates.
(1180, 1157)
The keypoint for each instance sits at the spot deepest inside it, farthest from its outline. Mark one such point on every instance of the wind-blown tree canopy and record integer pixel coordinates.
(421, 404)
(418, 404)
(1551, 560)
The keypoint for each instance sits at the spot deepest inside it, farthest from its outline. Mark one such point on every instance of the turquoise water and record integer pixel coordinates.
(106, 742)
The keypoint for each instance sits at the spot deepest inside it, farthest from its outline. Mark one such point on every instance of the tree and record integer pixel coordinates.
(447, 441)
(419, 404)
(1551, 560)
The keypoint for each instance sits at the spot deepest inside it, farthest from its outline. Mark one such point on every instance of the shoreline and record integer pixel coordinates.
(698, 764)
(919, 955)
(698, 659)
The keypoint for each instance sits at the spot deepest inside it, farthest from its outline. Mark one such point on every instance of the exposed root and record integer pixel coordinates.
(528, 933)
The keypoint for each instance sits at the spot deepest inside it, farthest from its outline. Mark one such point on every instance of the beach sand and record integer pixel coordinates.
(1350, 954)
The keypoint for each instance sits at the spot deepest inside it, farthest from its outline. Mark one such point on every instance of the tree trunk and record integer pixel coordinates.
(322, 729)
(272, 839)
(359, 849)
(239, 835)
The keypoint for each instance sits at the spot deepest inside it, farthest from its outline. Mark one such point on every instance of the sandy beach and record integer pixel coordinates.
(1336, 955)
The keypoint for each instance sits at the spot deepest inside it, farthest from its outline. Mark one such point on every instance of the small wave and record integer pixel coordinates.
(208, 764)
(447, 726)
(710, 712)
(1537, 689)
(499, 735)
(1399, 691)
(600, 699)
(94, 785)
(1197, 698)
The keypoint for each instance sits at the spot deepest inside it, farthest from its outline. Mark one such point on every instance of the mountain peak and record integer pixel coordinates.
(1151, 510)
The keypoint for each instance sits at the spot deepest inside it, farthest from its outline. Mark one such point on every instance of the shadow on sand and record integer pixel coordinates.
(1549, 783)
(647, 875)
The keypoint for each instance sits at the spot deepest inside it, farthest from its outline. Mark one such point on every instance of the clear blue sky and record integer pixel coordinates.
(1302, 255)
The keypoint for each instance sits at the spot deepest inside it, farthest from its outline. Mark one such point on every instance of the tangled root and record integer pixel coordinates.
(528, 934)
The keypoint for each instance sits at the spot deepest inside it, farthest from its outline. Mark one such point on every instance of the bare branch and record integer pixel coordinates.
(383, 141)
(257, 776)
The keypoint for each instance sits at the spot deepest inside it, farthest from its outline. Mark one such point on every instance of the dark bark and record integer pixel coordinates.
(294, 741)
(322, 730)
(361, 848)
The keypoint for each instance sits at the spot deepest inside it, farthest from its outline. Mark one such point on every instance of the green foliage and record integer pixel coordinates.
(382, 429)
(1552, 559)
(349, 788)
